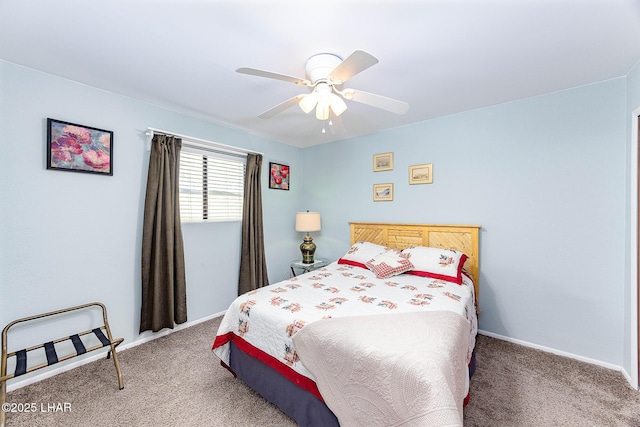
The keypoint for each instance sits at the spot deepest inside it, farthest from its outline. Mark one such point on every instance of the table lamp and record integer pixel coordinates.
(307, 222)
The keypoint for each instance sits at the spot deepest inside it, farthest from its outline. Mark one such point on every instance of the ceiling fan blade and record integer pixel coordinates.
(272, 75)
(378, 101)
(281, 107)
(356, 62)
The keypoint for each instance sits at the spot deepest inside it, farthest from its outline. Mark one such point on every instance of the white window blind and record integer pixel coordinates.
(211, 185)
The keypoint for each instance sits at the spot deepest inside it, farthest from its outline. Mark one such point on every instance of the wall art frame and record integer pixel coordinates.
(421, 174)
(382, 162)
(279, 176)
(383, 192)
(78, 148)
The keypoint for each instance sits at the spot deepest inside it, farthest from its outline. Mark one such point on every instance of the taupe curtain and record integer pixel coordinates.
(164, 294)
(253, 266)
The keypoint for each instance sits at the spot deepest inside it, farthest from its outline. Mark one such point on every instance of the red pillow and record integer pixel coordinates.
(389, 263)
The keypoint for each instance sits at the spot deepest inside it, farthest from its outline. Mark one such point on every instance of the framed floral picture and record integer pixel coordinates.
(279, 176)
(383, 192)
(421, 174)
(78, 148)
(383, 162)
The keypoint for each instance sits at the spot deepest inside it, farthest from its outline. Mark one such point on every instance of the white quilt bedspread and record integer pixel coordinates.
(269, 317)
(376, 371)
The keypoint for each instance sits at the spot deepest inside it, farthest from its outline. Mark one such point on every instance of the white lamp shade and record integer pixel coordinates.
(308, 102)
(337, 105)
(308, 221)
(324, 101)
(322, 112)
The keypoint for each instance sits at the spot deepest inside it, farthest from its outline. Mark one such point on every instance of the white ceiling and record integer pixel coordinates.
(440, 56)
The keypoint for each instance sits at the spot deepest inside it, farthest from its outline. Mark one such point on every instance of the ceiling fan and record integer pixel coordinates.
(326, 73)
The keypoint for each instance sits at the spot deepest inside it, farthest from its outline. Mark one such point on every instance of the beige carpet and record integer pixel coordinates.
(177, 381)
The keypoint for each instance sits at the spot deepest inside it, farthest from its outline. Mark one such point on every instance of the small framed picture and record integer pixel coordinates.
(78, 148)
(421, 174)
(279, 176)
(382, 192)
(382, 162)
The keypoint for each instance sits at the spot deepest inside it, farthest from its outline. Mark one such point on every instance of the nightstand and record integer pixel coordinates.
(307, 267)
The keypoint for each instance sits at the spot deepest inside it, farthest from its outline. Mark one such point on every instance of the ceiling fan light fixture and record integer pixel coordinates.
(324, 93)
(322, 111)
(308, 102)
(338, 106)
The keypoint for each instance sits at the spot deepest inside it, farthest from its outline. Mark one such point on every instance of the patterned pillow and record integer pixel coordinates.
(360, 253)
(445, 264)
(389, 263)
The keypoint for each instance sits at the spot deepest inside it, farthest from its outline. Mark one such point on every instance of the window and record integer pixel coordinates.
(211, 186)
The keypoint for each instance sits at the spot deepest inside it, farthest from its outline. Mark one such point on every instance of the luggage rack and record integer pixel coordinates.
(50, 351)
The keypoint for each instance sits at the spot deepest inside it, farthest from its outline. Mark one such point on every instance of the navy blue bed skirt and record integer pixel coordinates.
(299, 404)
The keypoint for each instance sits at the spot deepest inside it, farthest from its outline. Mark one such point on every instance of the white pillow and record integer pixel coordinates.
(445, 264)
(360, 253)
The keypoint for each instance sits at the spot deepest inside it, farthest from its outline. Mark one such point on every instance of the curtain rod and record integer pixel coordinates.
(207, 144)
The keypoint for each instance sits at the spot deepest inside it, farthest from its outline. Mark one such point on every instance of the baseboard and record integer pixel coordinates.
(561, 353)
(146, 337)
(150, 336)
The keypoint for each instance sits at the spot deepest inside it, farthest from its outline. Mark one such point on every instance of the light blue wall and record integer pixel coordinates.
(70, 238)
(544, 176)
(633, 103)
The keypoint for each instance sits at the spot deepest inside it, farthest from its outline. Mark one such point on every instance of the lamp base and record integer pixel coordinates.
(308, 249)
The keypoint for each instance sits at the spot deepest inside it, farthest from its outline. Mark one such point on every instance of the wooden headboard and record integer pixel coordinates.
(463, 238)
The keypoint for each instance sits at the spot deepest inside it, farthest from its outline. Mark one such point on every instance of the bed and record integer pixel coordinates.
(380, 342)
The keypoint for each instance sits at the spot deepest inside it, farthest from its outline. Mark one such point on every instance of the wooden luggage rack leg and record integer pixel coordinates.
(52, 357)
